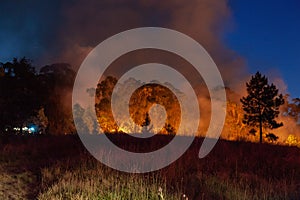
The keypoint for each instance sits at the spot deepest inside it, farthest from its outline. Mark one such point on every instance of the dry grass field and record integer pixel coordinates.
(58, 167)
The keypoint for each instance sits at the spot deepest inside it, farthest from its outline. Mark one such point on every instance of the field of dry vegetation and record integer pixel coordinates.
(58, 167)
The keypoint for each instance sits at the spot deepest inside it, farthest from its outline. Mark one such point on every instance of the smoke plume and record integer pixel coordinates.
(84, 24)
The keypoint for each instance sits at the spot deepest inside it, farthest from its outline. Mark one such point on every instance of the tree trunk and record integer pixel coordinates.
(260, 129)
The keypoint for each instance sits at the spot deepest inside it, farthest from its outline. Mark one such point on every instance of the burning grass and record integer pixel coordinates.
(59, 167)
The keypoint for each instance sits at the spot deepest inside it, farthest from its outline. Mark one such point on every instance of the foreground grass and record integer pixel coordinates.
(60, 168)
(92, 180)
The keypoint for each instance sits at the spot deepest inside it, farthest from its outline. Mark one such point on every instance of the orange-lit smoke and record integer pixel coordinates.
(85, 24)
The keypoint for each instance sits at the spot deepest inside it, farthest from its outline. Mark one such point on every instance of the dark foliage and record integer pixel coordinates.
(56, 83)
(262, 103)
(19, 94)
(272, 137)
(23, 92)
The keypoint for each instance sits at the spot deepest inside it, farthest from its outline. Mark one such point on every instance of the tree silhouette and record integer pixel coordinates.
(272, 137)
(79, 118)
(146, 123)
(56, 83)
(19, 98)
(170, 129)
(261, 105)
(147, 120)
(24, 93)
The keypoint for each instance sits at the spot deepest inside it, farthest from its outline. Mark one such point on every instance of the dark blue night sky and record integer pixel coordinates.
(265, 33)
(27, 28)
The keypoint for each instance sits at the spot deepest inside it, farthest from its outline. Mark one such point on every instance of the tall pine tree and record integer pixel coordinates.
(261, 105)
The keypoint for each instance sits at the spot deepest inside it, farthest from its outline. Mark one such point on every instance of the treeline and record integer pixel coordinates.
(35, 98)
(41, 97)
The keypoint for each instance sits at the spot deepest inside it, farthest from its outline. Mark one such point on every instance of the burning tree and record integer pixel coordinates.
(261, 105)
(140, 106)
(103, 98)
